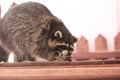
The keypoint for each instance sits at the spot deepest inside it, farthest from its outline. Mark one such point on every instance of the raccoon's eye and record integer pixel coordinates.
(57, 48)
(62, 47)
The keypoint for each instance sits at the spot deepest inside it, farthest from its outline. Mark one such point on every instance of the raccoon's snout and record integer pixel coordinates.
(63, 52)
(65, 55)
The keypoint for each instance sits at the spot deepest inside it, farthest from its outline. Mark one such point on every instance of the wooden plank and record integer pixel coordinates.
(82, 45)
(100, 43)
(83, 63)
(96, 55)
(24, 64)
(93, 72)
(117, 41)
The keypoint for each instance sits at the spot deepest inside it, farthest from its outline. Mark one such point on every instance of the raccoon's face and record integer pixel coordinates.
(62, 49)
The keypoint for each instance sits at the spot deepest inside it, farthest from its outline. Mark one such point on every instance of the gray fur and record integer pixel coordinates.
(26, 29)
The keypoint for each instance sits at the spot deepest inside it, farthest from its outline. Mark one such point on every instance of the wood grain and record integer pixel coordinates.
(62, 71)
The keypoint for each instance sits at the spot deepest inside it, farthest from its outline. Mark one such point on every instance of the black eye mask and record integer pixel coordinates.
(63, 47)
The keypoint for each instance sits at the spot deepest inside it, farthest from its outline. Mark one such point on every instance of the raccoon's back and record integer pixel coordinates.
(25, 13)
(20, 21)
(32, 9)
(22, 17)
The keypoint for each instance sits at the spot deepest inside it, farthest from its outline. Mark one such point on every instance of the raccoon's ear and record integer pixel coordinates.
(58, 34)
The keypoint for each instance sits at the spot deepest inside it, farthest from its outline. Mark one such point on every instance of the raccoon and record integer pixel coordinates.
(33, 33)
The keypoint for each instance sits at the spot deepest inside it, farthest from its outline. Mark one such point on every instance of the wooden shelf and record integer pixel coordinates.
(81, 70)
